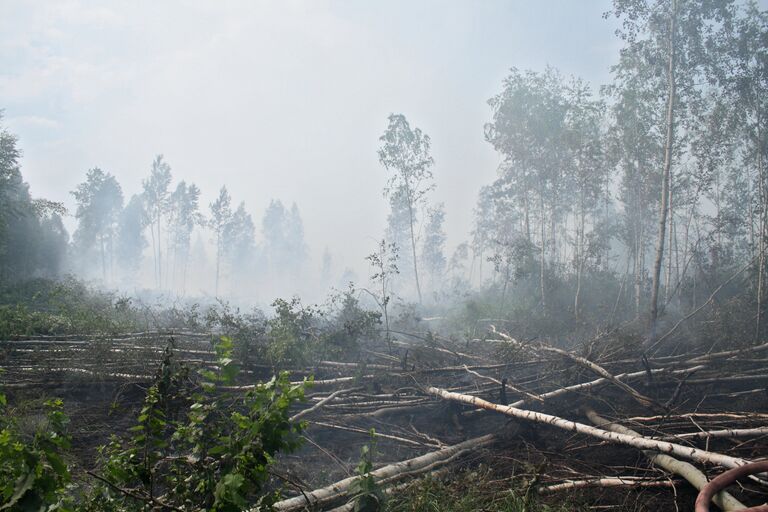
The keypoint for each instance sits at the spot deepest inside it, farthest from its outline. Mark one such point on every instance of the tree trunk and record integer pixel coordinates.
(413, 246)
(638, 271)
(103, 259)
(159, 254)
(542, 283)
(527, 219)
(668, 275)
(154, 249)
(761, 232)
(218, 260)
(580, 260)
(642, 443)
(670, 125)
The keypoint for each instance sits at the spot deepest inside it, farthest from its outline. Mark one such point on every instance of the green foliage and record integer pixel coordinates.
(349, 325)
(68, 306)
(99, 204)
(33, 240)
(293, 336)
(217, 455)
(368, 494)
(246, 330)
(33, 473)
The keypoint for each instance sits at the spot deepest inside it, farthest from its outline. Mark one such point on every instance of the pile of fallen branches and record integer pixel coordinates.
(664, 425)
(600, 426)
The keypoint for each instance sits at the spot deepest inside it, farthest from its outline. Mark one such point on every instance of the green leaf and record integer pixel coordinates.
(23, 485)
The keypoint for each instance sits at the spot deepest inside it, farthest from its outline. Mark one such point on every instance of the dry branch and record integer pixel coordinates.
(318, 405)
(366, 432)
(593, 367)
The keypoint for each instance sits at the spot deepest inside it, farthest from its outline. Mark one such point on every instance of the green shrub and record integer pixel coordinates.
(216, 457)
(33, 474)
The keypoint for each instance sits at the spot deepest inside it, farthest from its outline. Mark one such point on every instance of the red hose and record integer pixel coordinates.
(722, 481)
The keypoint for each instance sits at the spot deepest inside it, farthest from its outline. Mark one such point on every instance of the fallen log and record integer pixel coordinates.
(683, 469)
(642, 443)
(726, 432)
(618, 481)
(327, 495)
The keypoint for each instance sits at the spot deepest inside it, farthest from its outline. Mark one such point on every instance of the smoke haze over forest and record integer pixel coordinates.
(383, 256)
(279, 100)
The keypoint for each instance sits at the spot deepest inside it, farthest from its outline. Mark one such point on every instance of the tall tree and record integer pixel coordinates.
(240, 243)
(221, 216)
(743, 84)
(284, 246)
(433, 247)
(296, 246)
(156, 200)
(185, 206)
(31, 233)
(398, 232)
(130, 238)
(99, 203)
(406, 153)
(273, 231)
(665, 56)
(589, 174)
(529, 131)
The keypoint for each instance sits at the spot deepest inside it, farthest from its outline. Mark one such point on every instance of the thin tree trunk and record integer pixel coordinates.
(639, 268)
(761, 233)
(103, 259)
(579, 260)
(668, 275)
(159, 254)
(527, 218)
(670, 123)
(413, 247)
(542, 230)
(218, 260)
(184, 273)
(154, 249)
(111, 248)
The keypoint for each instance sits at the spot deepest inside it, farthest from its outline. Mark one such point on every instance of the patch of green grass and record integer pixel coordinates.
(468, 491)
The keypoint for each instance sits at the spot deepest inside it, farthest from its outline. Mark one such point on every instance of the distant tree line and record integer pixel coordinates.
(112, 235)
(164, 218)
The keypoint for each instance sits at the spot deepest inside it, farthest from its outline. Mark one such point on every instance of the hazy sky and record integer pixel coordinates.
(278, 99)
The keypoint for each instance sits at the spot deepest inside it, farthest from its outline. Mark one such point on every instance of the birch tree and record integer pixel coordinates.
(156, 201)
(406, 153)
